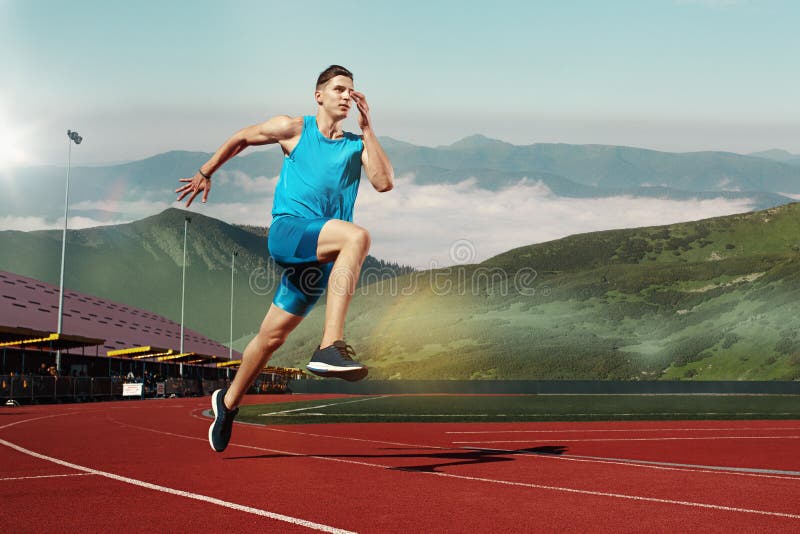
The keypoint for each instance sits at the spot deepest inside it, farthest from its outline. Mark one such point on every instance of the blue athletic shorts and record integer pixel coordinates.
(293, 246)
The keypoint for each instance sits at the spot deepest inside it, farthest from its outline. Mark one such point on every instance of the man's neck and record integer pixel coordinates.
(330, 128)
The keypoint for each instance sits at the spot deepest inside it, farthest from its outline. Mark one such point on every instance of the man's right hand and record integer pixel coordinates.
(197, 183)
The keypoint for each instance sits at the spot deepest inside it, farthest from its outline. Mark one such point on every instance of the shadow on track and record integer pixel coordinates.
(444, 459)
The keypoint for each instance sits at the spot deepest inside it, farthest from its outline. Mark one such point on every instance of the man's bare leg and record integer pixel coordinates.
(277, 324)
(347, 245)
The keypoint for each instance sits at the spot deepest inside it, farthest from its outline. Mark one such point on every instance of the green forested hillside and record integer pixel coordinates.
(714, 299)
(140, 264)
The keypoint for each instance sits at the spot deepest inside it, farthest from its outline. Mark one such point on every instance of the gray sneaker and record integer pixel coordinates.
(337, 361)
(219, 433)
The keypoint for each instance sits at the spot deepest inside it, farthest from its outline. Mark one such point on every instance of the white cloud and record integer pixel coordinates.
(127, 209)
(424, 225)
(25, 224)
(439, 224)
(78, 222)
(419, 224)
(29, 224)
(256, 212)
(258, 185)
(724, 183)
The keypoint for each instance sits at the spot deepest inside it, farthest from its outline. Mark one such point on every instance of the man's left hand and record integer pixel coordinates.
(364, 121)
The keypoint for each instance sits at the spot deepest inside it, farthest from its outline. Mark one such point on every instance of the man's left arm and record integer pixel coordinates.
(376, 163)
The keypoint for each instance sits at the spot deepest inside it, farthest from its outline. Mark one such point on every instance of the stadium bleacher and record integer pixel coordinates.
(32, 304)
(108, 341)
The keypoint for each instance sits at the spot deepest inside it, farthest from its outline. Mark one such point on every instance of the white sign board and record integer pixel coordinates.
(132, 390)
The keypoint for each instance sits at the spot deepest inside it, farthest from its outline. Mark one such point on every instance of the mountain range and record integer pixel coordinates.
(102, 192)
(778, 155)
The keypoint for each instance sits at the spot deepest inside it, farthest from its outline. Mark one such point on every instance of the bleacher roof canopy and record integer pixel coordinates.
(23, 337)
(31, 304)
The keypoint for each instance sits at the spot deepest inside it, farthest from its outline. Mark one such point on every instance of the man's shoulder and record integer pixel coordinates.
(288, 121)
(281, 127)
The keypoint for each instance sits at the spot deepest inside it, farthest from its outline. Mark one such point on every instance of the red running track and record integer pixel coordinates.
(136, 466)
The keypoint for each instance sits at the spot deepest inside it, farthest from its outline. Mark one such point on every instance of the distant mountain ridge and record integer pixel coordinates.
(783, 156)
(476, 141)
(582, 171)
(612, 166)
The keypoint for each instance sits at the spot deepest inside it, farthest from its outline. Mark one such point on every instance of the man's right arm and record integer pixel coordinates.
(275, 130)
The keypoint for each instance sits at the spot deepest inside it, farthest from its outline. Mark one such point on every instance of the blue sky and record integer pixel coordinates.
(142, 78)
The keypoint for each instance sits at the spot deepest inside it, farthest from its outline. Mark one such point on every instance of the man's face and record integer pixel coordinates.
(334, 96)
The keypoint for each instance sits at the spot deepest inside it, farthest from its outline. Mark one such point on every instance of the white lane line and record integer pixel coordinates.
(565, 431)
(207, 416)
(47, 476)
(33, 419)
(144, 406)
(620, 496)
(531, 416)
(491, 480)
(408, 415)
(347, 438)
(324, 405)
(665, 466)
(173, 491)
(627, 439)
(569, 457)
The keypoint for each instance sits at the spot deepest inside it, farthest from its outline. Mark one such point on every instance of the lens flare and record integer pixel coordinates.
(13, 138)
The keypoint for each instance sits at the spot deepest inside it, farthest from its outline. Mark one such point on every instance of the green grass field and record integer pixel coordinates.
(482, 408)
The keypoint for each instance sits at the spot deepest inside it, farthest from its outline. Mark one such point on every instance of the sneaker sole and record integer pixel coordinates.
(319, 367)
(211, 428)
(351, 375)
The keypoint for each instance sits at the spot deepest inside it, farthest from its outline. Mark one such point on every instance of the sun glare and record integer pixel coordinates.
(10, 155)
(12, 141)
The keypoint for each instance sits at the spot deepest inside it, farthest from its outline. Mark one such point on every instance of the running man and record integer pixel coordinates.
(312, 234)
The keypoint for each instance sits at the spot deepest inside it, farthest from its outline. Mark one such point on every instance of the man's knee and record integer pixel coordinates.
(360, 239)
(271, 341)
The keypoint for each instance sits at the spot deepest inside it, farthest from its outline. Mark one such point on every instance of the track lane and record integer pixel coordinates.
(353, 480)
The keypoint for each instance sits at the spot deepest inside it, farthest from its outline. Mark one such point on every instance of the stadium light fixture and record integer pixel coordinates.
(73, 137)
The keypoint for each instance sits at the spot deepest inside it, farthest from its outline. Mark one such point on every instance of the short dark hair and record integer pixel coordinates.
(332, 72)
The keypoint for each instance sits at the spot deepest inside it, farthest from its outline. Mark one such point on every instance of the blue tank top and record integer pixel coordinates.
(320, 177)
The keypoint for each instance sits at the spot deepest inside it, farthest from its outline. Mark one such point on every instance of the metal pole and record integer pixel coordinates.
(186, 222)
(230, 348)
(63, 253)
(71, 136)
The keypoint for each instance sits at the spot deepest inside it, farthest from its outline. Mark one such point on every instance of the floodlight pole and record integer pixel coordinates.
(186, 222)
(71, 137)
(230, 347)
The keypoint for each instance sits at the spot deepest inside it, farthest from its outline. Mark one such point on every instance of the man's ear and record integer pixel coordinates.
(318, 97)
